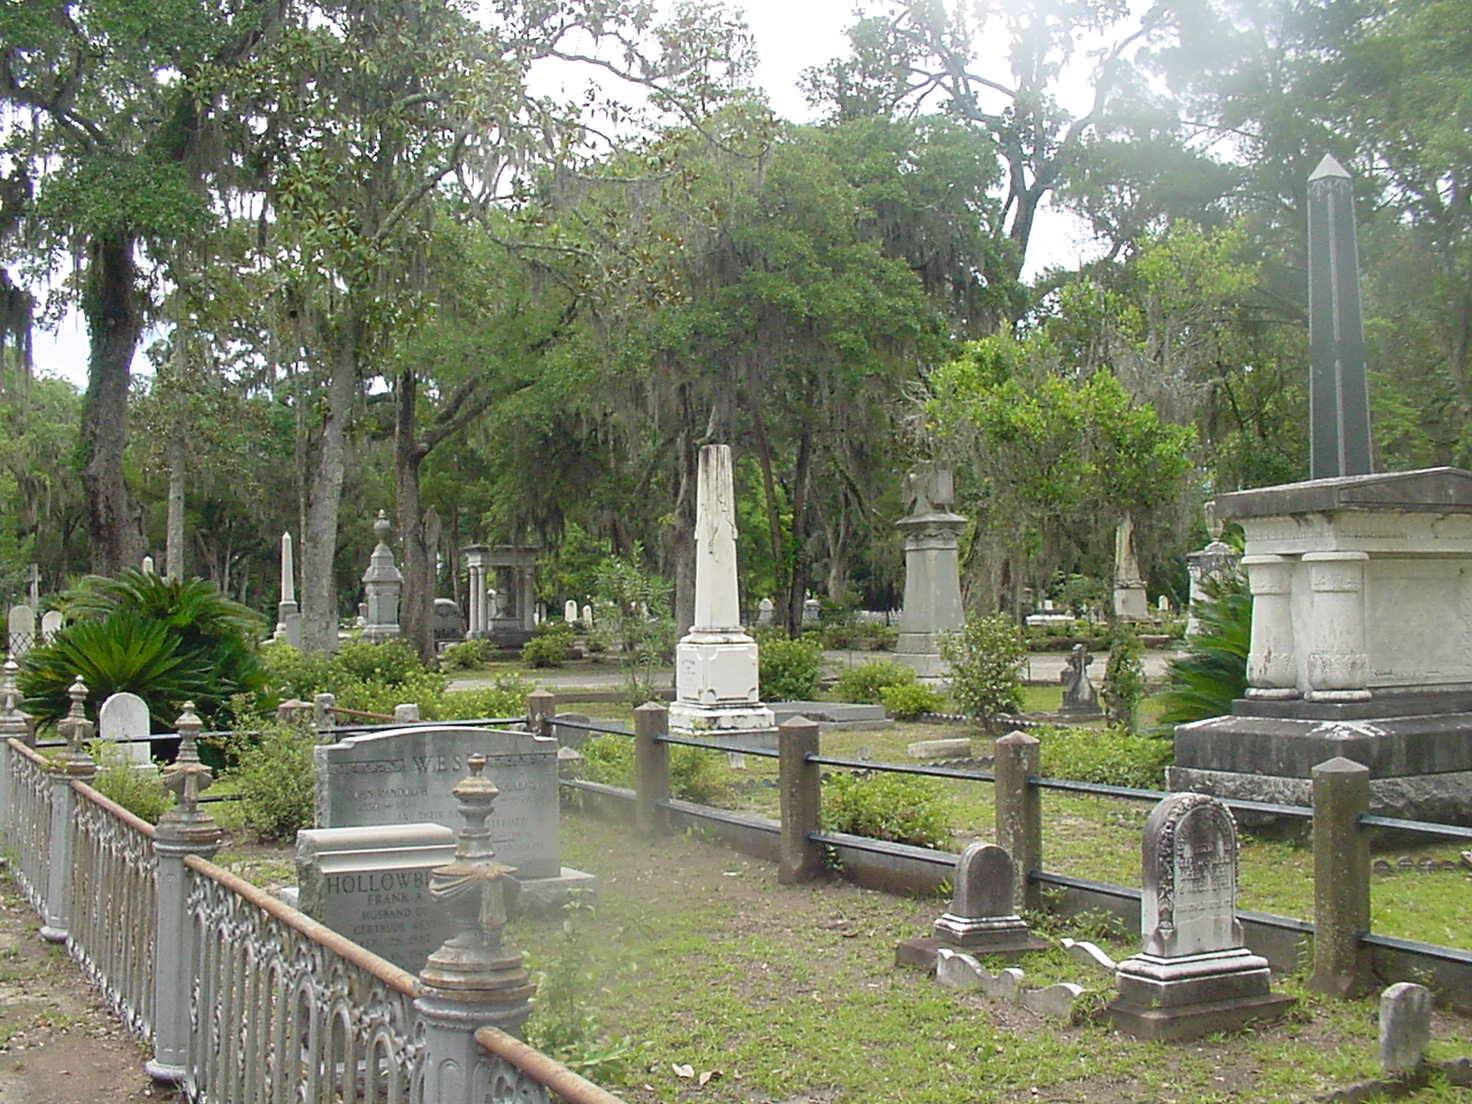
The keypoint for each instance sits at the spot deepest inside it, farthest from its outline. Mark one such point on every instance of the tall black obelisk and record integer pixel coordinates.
(1339, 398)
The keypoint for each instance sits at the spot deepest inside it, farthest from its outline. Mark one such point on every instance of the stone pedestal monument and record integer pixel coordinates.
(932, 604)
(1130, 602)
(716, 689)
(1193, 976)
(288, 616)
(1216, 561)
(1361, 594)
(382, 584)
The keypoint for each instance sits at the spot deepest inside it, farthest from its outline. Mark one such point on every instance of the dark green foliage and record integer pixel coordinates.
(789, 669)
(863, 636)
(1213, 670)
(466, 655)
(986, 659)
(1110, 756)
(867, 681)
(392, 661)
(550, 645)
(124, 652)
(274, 775)
(1124, 677)
(905, 701)
(887, 807)
(166, 641)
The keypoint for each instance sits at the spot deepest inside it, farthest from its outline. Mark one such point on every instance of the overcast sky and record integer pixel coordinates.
(791, 35)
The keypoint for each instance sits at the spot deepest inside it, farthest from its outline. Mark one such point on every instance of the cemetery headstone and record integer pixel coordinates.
(1129, 583)
(52, 622)
(1080, 699)
(765, 609)
(21, 626)
(716, 692)
(406, 775)
(981, 919)
(812, 609)
(382, 583)
(371, 884)
(124, 717)
(932, 602)
(447, 626)
(1405, 1027)
(148, 565)
(587, 617)
(1193, 976)
(569, 611)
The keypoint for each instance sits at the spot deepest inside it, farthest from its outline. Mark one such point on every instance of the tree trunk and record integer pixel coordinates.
(682, 535)
(114, 323)
(324, 498)
(174, 537)
(416, 605)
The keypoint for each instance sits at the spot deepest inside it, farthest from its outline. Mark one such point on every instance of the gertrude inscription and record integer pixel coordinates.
(1190, 873)
(407, 775)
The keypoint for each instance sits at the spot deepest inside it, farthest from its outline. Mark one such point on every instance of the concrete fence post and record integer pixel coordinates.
(182, 831)
(13, 723)
(73, 765)
(1341, 878)
(474, 980)
(799, 785)
(1019, 813)
(541, 707)
(651, 767)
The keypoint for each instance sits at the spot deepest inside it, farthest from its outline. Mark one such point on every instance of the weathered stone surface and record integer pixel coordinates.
(959, 748)
(1055, 1001)
(124, 717)
(932, 602)
(52, 622)
(957, 970)
(406, 775)
(1079, 696)
(1089, 954)
(371, 885)
(382, 583)
(1019, 816)
(1341, 878)
(21, 626)
(1405, 1027)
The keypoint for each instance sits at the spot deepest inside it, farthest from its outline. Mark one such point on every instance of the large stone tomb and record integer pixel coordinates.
(372, 885)
(405, 776)
(1192, 976)
(1361, 645)
(932, 603)
(981, 919)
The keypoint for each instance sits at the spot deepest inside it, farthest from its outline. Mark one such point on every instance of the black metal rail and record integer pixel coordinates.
(1424, 827)
(1416, 947)
(883, 847)
(588, 726)
(734, 749)
(903, 768)
(1129, 793)
(719, 816)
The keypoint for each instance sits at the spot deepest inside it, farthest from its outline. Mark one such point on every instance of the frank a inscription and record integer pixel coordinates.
(406, 775)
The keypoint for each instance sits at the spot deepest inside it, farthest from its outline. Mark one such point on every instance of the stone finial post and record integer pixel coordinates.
(473, 980)
(322, 719)
(1341, 878)
(651, 767)
(1019, 813)
(184, 830)
(74, 764)
(541, 707)
(13, 725)
(407, 712)
(382, 584)
(799, 788)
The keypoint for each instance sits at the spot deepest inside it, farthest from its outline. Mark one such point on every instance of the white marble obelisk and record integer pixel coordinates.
(288, 617)
(716, 691)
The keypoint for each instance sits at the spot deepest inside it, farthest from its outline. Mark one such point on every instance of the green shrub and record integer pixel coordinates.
(695, 774)
(887, 807)
(466, 655)
(548, 649)
(141, 792)
(274, 775)
(864, 636)
(866, 682)
(392, 661)
(293, 673)
(788, 669)
(167, 641)
(1110, 756)
(907, 700)
(506, 698)
(1213, 671)
(1124, 678)
(425, 689)
(986, 659)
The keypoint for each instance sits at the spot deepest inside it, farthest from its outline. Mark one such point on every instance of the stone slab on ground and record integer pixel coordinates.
(956, 748)
(832, 716)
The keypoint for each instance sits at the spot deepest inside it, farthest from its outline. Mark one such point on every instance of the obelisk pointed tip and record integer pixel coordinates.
(1329, 166)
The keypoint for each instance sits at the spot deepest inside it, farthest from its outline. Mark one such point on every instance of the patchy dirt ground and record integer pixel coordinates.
(59, 1043)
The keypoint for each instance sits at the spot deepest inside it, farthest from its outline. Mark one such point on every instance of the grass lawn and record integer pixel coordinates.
(696, 957)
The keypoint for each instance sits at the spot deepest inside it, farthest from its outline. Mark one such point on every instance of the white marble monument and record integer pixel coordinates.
(382, 584)
(123, 719)
(716, 686)
(288, 616)
(1130, 602)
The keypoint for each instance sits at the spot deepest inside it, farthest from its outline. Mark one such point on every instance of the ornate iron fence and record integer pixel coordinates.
(285, 1009)
(114, 905)
(29, 834)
